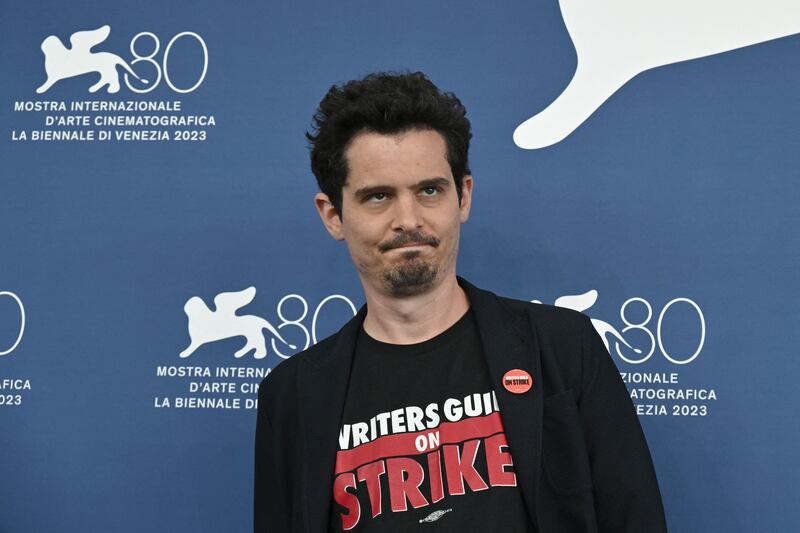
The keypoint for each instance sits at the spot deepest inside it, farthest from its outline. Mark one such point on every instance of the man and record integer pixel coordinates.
(439, 405)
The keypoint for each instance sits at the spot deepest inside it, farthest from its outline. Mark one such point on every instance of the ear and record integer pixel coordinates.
(330, 217)
(466, 198)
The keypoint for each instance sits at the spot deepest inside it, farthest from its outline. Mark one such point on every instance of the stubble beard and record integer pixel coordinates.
(412, 273)
(412, 276)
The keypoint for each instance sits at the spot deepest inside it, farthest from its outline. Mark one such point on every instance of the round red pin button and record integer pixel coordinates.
(517, 381)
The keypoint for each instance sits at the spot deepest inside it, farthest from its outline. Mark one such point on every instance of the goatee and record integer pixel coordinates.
(411, 277)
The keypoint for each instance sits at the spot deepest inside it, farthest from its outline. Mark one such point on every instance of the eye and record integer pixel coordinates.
(378, 196)
(431, 191)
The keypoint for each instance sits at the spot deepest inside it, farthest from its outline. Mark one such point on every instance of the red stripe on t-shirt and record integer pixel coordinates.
(403, 444)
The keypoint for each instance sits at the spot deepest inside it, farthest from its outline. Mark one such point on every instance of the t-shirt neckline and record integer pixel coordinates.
(434, 343)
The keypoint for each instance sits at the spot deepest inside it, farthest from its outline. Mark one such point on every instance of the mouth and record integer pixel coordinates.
(408, 246)
(413, 245)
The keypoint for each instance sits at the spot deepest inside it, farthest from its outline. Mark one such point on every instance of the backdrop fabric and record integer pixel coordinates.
(160, 252)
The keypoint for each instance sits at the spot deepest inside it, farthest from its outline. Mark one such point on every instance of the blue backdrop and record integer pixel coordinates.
(670, 216)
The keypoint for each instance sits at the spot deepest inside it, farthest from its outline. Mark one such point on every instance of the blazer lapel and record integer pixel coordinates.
(325, 385)
(508, 343)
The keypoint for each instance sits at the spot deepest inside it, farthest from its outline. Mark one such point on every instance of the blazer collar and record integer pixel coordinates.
(508, 342)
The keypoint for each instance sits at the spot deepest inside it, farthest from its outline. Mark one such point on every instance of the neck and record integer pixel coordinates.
(417, 318)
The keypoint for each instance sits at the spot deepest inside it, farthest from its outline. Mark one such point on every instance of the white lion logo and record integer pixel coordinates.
(617, 39)
(206, 325)
(61, 62)
(582, 302)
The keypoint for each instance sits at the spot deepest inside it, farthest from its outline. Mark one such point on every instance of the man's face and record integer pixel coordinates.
(400, 212)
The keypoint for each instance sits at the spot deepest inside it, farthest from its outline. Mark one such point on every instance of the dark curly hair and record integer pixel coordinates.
(386, 103)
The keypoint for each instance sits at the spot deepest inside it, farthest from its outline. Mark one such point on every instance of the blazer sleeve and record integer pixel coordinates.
(272, 507)
(625, 488)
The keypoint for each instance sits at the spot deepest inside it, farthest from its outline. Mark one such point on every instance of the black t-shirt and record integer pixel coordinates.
(422, 445)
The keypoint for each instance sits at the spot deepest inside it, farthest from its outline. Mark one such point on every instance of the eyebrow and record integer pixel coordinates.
(422, 184)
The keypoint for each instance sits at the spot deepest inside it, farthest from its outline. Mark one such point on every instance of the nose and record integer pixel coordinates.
(407, 213)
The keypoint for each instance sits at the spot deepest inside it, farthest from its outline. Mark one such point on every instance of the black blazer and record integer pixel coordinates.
(580, 456)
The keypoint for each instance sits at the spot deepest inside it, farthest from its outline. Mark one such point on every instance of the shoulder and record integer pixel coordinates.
(560, 335)
(282, 379)
(307, 372)
(547, 319)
